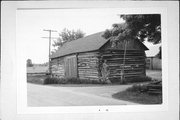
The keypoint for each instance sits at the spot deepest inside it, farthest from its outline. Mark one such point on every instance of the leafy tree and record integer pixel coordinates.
(29, 63)
(142, 27)
(139, 27)
(159, 54)
(67, 36)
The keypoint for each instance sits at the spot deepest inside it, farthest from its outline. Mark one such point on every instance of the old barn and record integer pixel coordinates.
(84, 59)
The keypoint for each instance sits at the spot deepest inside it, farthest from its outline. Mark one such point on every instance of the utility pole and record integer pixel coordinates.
(124, 58)
(50, 31)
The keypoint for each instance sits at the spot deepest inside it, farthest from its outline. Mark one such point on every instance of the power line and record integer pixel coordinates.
(51, 37)
(50, 31)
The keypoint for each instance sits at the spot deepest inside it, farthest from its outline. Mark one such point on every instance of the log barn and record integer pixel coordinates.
(84, 58)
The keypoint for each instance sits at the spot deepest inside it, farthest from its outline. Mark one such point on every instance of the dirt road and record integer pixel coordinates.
(45, 95)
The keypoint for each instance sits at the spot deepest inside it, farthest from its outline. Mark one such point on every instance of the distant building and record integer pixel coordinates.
(37, 70)
(152, 60)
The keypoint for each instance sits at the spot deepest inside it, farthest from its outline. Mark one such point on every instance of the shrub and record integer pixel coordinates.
(138, 79)
(131, 80)
(138, 88)
(88, 81)
(54, 80)
(73, 80)
(38, 79)
(115, 80)
(134, 94)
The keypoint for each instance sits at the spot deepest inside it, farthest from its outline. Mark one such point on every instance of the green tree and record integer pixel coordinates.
(29, 63)
(142, 27)
(139, 27)
(67, 36)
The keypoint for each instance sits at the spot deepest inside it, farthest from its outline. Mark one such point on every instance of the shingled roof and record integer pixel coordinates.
(88, 43)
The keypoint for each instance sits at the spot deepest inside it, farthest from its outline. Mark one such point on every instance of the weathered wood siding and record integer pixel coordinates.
(134, 63)
(64, 67)
(130, 45)
(58, 67)
(134, 59)
(71, 66)
(88, 64)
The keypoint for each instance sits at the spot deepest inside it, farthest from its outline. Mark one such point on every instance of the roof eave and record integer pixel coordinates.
(72, 54)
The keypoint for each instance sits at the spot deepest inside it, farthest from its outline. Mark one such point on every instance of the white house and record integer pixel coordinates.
(152, 61)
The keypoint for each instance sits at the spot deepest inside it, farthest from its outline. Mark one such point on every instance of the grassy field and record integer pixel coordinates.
(39, 79)
(137, 97)
(36, 79)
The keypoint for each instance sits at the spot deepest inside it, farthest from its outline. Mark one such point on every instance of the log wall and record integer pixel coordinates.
(134, 63)
(58, 67)
(88, 65)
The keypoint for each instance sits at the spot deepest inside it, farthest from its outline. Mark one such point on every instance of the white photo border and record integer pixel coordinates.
(19, 65)
(22, 84)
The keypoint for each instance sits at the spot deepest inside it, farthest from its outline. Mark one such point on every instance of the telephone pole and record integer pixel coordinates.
(50, 31)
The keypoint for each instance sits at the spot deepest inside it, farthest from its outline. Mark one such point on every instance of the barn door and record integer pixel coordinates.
(71, 66)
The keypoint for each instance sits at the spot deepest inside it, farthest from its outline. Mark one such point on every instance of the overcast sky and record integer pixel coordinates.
(30, 25)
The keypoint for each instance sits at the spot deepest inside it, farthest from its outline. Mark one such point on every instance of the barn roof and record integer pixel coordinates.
(89, 43)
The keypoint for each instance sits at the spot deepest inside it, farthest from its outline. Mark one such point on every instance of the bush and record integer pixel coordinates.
(54, 80)
(115, 80)
(138, 88)
(88, 81)
(135, 94)
(131, 80)
(138, 79)
(73, 80)
(38, 79)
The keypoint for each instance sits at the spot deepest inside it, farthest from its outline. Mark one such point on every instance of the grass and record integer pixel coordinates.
(45, 79)
(131, 80)
(53, 80)
(138, 94)
(138, 79)
(38, 79)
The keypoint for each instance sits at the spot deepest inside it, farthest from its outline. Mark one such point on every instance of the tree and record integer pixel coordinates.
(144, 27)
(67, 36)
(159, 54)
(29, 63)
(141, 27)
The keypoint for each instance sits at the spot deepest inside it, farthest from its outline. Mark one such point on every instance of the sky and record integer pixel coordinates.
(30, 25)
